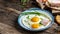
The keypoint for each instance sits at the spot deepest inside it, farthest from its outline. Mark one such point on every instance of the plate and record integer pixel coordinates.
(33, 10)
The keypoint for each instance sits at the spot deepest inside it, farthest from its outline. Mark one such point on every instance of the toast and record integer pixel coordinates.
(58, 19)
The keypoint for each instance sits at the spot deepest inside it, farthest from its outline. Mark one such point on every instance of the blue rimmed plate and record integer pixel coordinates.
(34, 10)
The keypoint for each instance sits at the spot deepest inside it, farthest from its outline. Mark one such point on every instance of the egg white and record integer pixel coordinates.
(30, 22)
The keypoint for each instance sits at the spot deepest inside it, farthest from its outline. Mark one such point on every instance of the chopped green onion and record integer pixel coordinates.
(26, 13)
(27, 22)
(27, 17)
(40, 23)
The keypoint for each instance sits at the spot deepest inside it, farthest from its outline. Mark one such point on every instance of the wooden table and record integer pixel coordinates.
(9, 24)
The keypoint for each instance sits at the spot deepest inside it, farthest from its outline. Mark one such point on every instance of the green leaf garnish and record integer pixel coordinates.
(40, 23)
(26, 13)
(27, 22)
(28, 17)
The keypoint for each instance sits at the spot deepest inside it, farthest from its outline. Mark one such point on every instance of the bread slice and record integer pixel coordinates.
(58, 19)
(54, 4)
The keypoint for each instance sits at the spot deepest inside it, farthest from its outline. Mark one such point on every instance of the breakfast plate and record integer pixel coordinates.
(35, 19)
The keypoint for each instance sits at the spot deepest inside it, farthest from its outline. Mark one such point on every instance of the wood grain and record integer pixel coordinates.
(8, 21)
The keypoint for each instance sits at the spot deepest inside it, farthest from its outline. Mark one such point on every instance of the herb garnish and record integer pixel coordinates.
(28, 17)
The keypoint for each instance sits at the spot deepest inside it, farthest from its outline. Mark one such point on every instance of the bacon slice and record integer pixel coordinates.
(45, 21)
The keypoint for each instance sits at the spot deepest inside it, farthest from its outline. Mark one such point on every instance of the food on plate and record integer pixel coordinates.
(35, 20)
(58, 19)
(45, 21)
(35, 25)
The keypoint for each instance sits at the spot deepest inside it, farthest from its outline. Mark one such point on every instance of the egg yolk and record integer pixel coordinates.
(35, 19)
(35, 25)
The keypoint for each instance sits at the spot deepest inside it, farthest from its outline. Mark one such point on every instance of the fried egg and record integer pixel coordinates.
(33, 21)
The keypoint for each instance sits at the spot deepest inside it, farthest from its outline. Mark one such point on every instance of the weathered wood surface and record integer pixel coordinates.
(9, 24)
